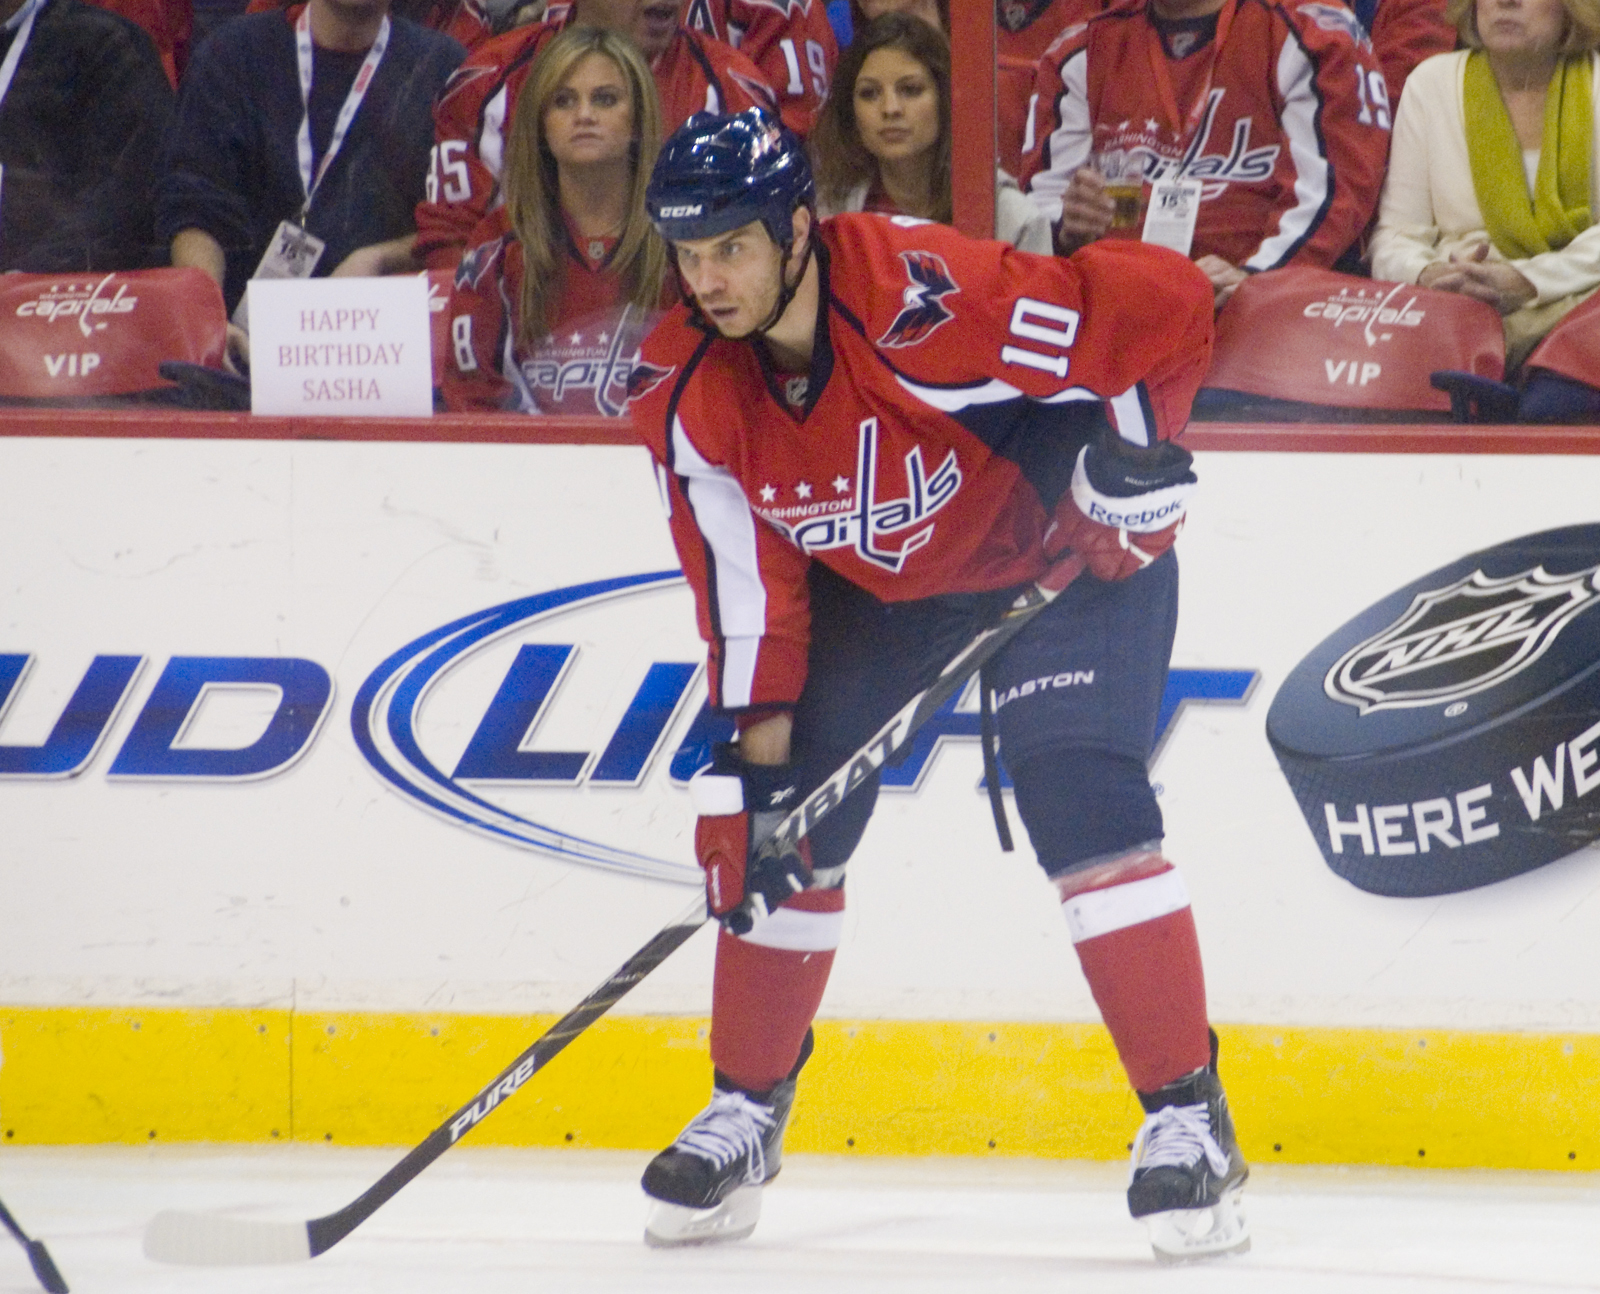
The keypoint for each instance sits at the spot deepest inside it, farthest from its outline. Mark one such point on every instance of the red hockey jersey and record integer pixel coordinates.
(952, 385)
(791, 41)
(1287, 123)
(580, 369)
(473, 116)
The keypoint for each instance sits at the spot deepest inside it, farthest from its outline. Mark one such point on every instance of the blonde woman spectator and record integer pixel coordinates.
(1492, 187)
(882, 142)
(560, 284)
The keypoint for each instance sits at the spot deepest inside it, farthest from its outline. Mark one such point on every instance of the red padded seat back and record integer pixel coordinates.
(1572, 347)
(65, 338)
(1316, 337)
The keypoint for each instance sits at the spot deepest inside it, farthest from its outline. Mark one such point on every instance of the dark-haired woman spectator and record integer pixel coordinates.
(1492, 189)
(882, 142)
(559, 285)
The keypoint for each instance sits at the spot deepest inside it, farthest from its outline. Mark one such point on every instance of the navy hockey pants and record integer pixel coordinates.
(1076, 698)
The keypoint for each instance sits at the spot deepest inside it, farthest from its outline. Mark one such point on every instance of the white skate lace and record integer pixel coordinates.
(1177, 1136)
(727, 1128)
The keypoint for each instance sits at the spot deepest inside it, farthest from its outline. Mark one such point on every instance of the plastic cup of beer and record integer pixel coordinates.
(1124, 185)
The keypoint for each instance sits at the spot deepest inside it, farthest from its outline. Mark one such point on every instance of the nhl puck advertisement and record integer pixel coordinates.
(1449, 735)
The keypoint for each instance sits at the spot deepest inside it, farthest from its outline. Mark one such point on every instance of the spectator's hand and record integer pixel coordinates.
(1224, 277)
(1473, 275)
(1086, 211)
(236, 358)
(363, 263)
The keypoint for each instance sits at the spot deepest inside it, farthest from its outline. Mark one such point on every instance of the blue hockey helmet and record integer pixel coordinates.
(718, 173)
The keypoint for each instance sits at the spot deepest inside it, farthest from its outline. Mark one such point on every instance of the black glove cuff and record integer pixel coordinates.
(1123, 471)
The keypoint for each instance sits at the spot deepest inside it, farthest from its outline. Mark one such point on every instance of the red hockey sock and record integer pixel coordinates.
(767, 988)
(1135, 937)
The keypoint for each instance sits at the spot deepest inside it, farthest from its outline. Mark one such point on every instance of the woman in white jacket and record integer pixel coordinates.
(882, 140)
(1494, 175)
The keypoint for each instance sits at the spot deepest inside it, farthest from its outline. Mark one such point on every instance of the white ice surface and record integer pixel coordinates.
(486, 1221)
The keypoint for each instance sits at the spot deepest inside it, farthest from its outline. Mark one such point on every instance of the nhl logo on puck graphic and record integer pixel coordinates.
(1449, 735)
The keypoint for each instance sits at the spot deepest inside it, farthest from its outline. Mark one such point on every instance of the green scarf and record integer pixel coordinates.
(1559, 210)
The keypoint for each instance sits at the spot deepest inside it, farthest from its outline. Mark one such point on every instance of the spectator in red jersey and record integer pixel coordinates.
(791, 43)
(1404, 32)
(565, 278)
(693, 73)
(1280, 114)
(883, 140)
(1495, 180)
(81, 124)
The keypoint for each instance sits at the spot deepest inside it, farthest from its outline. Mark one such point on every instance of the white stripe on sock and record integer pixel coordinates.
(1099, 912)
(798, 932)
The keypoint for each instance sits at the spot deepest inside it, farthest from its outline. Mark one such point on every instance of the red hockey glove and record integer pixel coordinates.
(1125, 505)
(739, 806)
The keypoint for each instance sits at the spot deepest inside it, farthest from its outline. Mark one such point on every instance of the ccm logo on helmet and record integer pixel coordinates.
(676, 213)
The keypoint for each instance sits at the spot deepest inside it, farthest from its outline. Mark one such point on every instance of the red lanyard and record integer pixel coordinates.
(1161, 74)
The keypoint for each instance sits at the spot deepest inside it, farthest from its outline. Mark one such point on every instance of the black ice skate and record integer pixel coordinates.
(706, 1186)
(1188, 1174)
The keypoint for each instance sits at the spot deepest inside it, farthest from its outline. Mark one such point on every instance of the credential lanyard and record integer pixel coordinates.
(8, 69)
(1161, 74)
(347, 114)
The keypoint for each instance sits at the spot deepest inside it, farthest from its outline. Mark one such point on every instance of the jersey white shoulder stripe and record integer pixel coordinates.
(1070, 141)
(729, 527)
(1312, 173)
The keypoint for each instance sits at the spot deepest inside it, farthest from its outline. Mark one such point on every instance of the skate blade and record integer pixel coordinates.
(1188, 1235)
(672, 1225)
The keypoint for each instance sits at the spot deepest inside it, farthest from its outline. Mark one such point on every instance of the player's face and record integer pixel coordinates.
(1522, 28)
(927, 10)
(735, 277)
(897, 106)
(590, 118)
(650, 23)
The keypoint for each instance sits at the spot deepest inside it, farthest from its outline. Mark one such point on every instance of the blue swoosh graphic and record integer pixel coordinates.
(389, 700)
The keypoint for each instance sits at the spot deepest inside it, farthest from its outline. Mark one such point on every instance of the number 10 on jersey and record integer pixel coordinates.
(1055, 326)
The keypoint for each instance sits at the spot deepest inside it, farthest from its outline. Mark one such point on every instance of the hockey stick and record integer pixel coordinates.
(43, 1265)
(209, 1239)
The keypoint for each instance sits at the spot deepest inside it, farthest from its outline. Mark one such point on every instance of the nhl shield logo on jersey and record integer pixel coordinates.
(1457, 641)
(930, 280)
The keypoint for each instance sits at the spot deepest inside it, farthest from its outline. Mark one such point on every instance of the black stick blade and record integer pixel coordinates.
(44, 1267)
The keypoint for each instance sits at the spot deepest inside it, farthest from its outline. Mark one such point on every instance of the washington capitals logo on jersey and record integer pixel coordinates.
(931, 281)
(646, 378)
(1335, 17)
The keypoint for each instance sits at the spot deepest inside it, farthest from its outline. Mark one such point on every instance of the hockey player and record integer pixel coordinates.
(873, 432)
(470, 119)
